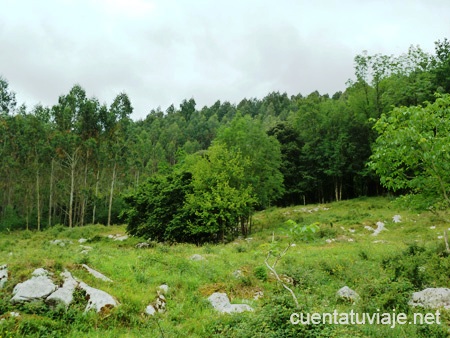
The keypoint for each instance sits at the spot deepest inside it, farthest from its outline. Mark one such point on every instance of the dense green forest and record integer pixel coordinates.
(81, 161)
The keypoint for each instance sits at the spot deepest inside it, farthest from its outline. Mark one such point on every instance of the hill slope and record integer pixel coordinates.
(384, 270)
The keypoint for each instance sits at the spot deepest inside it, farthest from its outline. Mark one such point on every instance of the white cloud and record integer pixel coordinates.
(163, 51)
(130, 8)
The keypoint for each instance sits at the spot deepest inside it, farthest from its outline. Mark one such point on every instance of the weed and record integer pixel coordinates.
(241, 248)
(260, 272)
(385, 275)
(363, 255)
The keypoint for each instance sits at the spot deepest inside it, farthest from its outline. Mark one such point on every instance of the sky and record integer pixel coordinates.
(161, 52)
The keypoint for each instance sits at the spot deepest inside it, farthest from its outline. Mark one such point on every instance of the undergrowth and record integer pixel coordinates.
(384, 270)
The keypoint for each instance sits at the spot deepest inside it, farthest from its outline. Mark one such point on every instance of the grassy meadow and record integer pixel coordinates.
(385, 270)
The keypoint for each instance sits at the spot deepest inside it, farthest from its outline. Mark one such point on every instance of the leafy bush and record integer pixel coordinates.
(197, 203)
(302, 232)
(156, 210)
(11, 221)
(260, 272)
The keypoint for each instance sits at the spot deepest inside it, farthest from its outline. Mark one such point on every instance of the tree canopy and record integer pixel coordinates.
(82, 161)
(412, 150)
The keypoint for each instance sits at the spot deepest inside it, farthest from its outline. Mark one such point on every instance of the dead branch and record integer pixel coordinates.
(446, 240)
(272, 269)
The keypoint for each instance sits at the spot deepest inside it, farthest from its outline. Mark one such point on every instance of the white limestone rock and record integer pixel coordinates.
(150, 310)
(258, 295)
(163, 289)
(433, 298)
(397, 218)
(142, 245)
(238, 274)
(380, 227)
(96, 274)
(347, 294)
(221, 303)
(118, 237)
(65, 293)
(37, 287)
(3, 275)
(196, 257)
(98, 299)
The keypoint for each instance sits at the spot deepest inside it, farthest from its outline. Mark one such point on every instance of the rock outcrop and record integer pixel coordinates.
(221, 303)
(3, 275)
(97, 299)
(348, 294)
(64, 294)
(432, 298)
(196, 257)
(159, 305)
(39, 286)
(96, 274)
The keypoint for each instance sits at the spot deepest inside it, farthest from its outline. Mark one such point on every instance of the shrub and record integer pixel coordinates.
(260, 272)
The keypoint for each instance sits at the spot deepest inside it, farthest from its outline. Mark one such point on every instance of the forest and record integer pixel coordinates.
(82, 162)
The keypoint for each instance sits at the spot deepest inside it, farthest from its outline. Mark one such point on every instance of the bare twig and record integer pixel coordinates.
(280, 255)
(272, 269)
(446, 240)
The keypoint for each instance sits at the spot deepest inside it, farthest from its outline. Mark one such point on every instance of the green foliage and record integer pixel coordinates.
(156, 210)
(205, 201)
(221, 198)
(10, 220)
(302, 232)
(257, 154)
(410, 258)
(412, 150)
(260, 272)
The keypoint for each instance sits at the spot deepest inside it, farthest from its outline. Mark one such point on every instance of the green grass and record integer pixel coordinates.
(384, 270)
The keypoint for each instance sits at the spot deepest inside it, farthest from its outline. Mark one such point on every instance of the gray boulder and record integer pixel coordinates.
(196, 257)
(96, 274)
(65, 293)
(221, 303)
(142, 245)
(150, 310)
(433, 298)
(163, 289)
(3, 275)
(98, 299)
(39, 286)
(347, 294)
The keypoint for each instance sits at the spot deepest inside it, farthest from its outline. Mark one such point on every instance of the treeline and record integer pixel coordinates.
(73, 163)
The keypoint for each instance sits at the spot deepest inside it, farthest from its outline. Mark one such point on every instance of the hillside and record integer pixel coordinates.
(384, 270)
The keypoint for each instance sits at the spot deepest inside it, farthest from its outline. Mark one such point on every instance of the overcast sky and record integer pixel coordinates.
(160, 51)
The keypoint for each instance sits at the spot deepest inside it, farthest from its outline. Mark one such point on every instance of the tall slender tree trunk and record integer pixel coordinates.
(73, 163)
(38, 202)
(95, 199)
(111, 193)
(72, 188)
(50, 202)
(83, 197)
(136, 179)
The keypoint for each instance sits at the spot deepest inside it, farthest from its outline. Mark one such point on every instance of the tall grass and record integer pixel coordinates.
(384, 270)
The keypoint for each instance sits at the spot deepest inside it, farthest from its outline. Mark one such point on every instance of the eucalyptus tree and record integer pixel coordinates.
(116, 124)
(8, 101)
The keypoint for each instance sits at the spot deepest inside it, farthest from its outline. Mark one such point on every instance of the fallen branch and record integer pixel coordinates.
(272, 269)
(446, 240)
